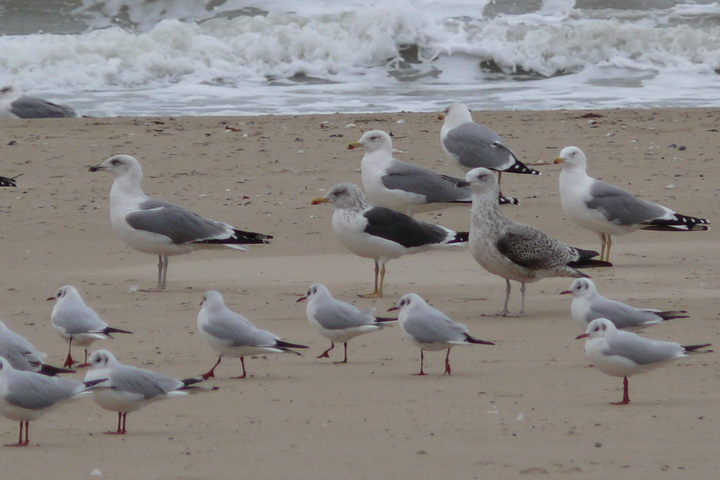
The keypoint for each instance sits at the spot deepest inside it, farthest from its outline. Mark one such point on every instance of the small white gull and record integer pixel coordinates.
(337, 320)
(621, 354)
(608, 210)
(381, 233)
(161, 228)
(430, 329)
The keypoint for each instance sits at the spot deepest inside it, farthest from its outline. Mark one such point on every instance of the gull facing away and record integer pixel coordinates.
(74, 321)
(621, 354)
(430, 329)
(471, 145)
(14, 104)
(608, 210)
(23, 355)
(26, 396)
(127, 388)
(381, 233)
(515, 251)
(402, 186)
(337, 320)
(233, 335)
(161, 228)
(587, 305)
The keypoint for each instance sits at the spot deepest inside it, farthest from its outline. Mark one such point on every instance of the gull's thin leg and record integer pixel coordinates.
(377, 292)
(211, 372)
(325, 353)
(165, 261)
(522, 299)
(602, 246)
(345, 360)
(85, 364)
(422, 358)
(69, 360)
(626, 394)
(20, 442)
(120, 426)
(242, 362)
(382, 279)
(447, 363)
(609, 244)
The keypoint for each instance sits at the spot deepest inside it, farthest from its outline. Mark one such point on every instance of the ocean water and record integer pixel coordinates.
(234, 57)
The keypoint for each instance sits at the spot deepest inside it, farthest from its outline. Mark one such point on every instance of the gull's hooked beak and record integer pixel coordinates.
(441, 116)
(392, 309)
(354, 145)
(558, 160)
(462, 183)
(304, 297)
(95, 168)
(319, 200)
(582, 335)
(50, 298)
(565, 292)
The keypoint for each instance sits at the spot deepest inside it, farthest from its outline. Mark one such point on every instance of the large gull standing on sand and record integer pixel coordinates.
(13, 104)
(471, 145)
(381, 233)
(621, 354)
(402, 186)
(608, 210)
(515, 251)
(161, 228)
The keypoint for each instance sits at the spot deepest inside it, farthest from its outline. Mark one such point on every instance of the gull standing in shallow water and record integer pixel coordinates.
(233, 335)
(622, 354)
(130, 388)
(73, 320)
(608, 210)
(161, 228)
(26, 396)
(337, 320)
(430, 329)
(471, 145)
(23, 355)
(588, 304)
(515, 251)
(403, 186)
(381, 233)
(13, 104)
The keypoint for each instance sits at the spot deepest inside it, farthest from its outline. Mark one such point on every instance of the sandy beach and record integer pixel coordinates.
(530, 406)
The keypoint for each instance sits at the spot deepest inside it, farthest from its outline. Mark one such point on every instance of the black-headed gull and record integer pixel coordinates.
(26, 396)
(430, 329)
(13, 104)
(161, 228)
(336, 320)
(74, 321)
(128, 388)
(587, 305)
(381, 233)
(23, 355)
(233, 335)
(622, 354)
(515, 251)
(609, 210)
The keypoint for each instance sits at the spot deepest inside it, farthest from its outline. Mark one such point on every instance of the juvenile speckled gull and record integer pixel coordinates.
(402, 186)
(608, 210)
(622, 354)
(26, 396)
(233, 335)
(430, 329)
(74, 321)
(337, 320)
(381, 233)
(471, 145)
(130, 388)
(588, 304)
(13, 104)
(23, 355)
(515, 251)
(161, 228)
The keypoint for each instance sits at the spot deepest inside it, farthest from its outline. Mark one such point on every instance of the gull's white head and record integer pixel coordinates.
(344, 195)
(571, 157)
(581, 287)
(373, 141)
(598, 328)
(9, 93)
(212, 300)
(408, 301)
(456, 114)
(65, 293)
(481, 180)
(102, 359)
(314, 292)
(120, 165)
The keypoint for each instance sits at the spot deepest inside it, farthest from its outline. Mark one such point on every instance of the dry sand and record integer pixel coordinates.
(530, 406)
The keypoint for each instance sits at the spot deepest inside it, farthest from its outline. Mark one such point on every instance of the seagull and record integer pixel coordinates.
(72, 319)
(233, 335)
(130, 388)
(621, 354)
(26, 396)
(8, 182)
(381, 233)
(515, 251)
(608, 210)
(472, 145)
(161, 228)
(23, 355)
(588, 304)
(13, 104)
(337, 320)
(430, 329)
(402, 186)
